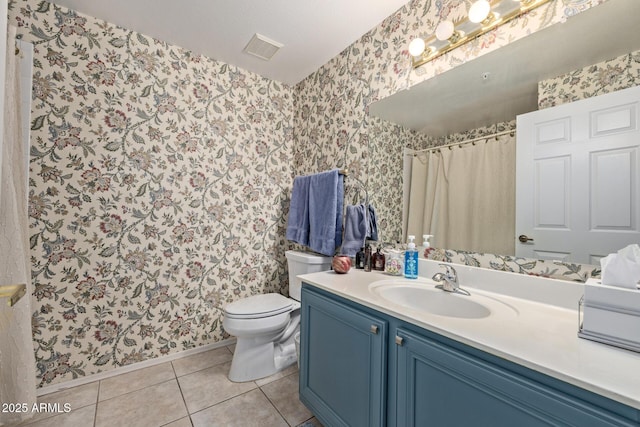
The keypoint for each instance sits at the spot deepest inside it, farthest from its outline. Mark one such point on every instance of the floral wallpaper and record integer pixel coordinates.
(159, 186)
(608, 76)
(159, 178)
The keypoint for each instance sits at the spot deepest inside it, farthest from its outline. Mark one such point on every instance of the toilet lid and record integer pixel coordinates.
(257, 306)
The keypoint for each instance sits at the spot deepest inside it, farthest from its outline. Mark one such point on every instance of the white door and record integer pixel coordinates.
(578, 180)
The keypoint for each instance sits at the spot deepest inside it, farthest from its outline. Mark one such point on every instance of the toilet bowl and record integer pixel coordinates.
(265, 325)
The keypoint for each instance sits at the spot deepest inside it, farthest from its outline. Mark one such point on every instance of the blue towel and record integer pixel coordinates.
(326, 191)
(315, 216)
(355, 229)
(298, 224)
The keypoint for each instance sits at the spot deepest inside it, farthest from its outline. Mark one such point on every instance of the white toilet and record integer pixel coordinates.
(265, 325)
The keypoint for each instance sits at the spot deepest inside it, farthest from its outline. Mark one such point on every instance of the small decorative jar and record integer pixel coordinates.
(394, 265)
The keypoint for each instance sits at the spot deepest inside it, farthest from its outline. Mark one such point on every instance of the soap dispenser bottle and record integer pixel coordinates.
(411, 259)
(426, 245)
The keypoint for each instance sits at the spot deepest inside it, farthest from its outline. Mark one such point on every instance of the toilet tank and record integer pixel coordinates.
(304, 263)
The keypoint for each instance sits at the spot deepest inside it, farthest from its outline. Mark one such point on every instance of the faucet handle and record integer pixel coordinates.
(450, 271)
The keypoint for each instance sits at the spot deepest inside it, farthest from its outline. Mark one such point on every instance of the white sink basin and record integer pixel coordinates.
(422, 295)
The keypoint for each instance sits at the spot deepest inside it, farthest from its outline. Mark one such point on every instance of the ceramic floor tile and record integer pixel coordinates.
(76, 397)
(210, 386)
(199, 361)
(283, 393)
(247, 410)
(135, 380)
(153, 406)
(81, 417)
(284, 373)
(182, 422)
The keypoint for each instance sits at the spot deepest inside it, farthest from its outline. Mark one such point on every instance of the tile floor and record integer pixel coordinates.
(191, 391)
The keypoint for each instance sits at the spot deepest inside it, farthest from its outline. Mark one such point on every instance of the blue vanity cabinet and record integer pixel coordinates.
(361, 367)
(343, 362)
(439, 385)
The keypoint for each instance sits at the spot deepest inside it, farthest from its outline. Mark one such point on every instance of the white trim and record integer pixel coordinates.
(133, 367)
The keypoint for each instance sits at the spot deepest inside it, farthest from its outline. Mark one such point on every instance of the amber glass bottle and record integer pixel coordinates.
(378, 260)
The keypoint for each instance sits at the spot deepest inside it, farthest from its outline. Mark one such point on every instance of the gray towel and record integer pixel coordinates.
(355, 229)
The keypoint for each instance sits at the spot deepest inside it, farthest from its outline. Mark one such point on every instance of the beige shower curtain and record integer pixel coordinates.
(17, 360)
(465, 196)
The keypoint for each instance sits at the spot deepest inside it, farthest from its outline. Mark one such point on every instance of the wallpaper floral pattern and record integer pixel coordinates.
(608, 76)
(159, 185)
(159, 179)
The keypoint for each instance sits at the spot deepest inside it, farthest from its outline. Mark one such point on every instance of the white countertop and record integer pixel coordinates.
(540, 335)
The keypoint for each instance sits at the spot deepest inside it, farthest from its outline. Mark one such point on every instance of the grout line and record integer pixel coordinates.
(274, 405)
(200, 370)
(222, 401)
(182, 394)
(95, 413)
(140, 389)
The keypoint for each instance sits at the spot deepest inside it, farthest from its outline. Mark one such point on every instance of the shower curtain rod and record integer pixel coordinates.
(466, 141)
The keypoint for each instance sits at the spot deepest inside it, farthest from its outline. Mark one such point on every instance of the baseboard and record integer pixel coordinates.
(135, 366)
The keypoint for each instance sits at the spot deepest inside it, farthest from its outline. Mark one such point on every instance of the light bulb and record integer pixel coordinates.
(479, 11)
(416, 47)
(444, 30)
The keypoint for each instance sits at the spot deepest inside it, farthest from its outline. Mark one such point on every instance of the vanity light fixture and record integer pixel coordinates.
(483, 16)
(479, 11)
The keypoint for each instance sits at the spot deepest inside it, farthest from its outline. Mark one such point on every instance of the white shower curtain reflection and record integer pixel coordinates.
(17, 360)
(465, 196)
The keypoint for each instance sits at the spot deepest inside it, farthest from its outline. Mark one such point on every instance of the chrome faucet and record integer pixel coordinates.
(448, 279)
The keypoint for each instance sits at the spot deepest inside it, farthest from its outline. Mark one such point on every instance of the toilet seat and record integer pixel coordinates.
(259, 306)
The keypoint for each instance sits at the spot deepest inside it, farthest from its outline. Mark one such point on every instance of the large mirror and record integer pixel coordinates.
(493, 89)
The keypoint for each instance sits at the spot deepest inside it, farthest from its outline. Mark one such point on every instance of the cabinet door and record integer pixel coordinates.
(441, 386)
(342, 363)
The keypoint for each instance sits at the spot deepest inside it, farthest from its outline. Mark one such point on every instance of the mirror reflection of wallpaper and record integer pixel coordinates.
(604, 77)
(333, 126)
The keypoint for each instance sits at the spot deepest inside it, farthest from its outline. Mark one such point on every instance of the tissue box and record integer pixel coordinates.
(611, 315)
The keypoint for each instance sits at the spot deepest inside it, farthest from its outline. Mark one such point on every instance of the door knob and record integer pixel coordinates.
(374, 329)
(524, 238)
(399, 340)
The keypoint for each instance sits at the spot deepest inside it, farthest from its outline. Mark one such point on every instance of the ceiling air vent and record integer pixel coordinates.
(262, 47)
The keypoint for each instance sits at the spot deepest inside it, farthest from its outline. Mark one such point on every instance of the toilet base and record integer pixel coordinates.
(253, 360)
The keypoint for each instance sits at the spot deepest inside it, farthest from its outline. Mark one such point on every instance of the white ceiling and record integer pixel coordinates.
(312, 31)
(461, 99)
